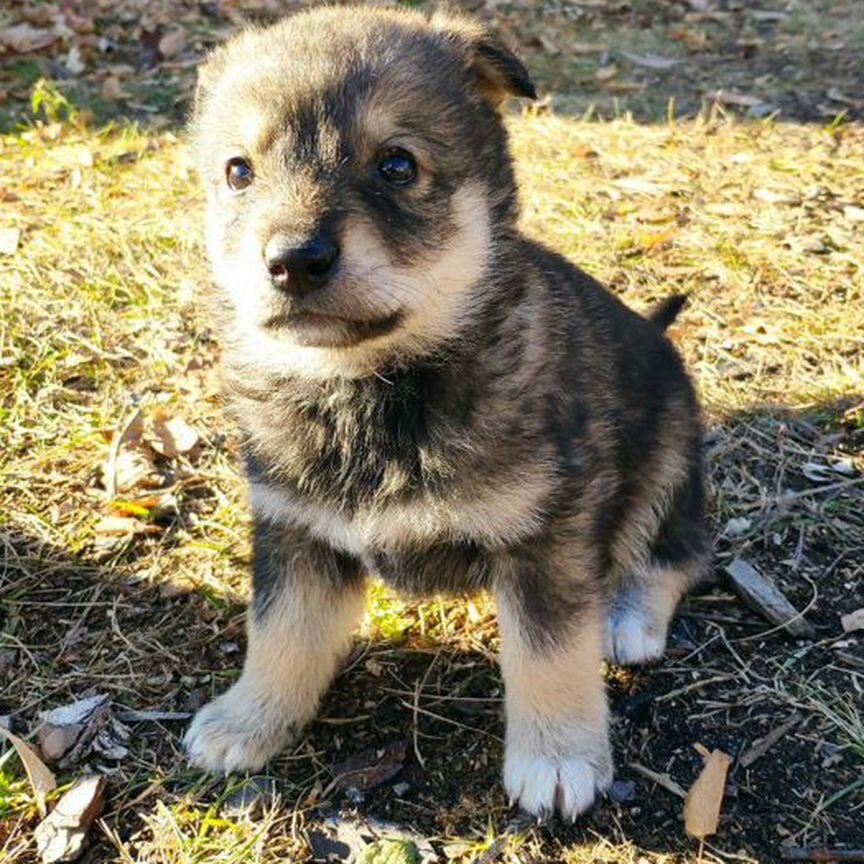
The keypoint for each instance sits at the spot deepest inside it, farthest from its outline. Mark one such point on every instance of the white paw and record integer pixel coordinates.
(632, 638)
(543, 783)
(233, 733)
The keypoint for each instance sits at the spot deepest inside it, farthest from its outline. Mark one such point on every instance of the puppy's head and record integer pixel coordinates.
(357, 175)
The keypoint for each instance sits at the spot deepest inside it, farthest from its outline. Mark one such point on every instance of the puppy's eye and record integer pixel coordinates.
(398, 167)
(238, 173)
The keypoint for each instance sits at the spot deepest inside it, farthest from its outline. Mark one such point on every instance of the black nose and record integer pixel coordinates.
(300, 269)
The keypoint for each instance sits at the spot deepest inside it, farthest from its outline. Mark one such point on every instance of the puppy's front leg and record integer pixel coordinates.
(306, 600)
(557, 753)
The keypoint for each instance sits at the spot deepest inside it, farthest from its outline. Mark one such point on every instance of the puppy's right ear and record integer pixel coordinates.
(498, 70)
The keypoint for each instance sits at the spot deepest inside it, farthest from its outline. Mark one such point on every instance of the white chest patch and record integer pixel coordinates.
(492, 517)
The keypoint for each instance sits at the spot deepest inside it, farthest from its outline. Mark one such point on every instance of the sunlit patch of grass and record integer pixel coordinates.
(99, 312)
(187, 834)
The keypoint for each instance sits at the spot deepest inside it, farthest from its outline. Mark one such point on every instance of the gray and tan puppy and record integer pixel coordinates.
(425, 394)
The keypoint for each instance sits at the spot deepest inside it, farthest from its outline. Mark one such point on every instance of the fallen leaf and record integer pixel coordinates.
(113, 89)
(853, 621)
(705, 798)
(850, 212)
(42, 780)
(9, 240)
(171, 436)
(651, 61)
(65, 733)
(24, 38)
(737, 526)
(133, 470)
(695, 41)
(370, 768)
(62, 835)
(172, 43)
(654, 239)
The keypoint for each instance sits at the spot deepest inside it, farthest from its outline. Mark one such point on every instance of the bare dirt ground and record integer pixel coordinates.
(705, 146)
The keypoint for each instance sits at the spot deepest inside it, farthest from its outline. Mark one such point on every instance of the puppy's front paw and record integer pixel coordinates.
(543, 781)
(236, 733)
(633, 638)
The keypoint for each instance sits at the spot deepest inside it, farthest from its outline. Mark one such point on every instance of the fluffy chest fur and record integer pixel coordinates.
(403, 472)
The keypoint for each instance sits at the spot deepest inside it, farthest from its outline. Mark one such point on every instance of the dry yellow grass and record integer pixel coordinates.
(102, 313)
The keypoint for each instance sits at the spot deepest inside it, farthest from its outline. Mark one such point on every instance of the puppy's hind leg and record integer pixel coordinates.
(557, 754)
(306, 600)
(647, 596)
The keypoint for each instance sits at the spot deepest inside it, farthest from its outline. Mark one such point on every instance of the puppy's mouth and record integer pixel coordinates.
(317, 330)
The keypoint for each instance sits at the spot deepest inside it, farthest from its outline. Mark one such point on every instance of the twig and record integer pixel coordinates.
(663, 780)
(820, 853)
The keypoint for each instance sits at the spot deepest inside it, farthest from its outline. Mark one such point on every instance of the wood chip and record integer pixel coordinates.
(705, 798)
(62, 836)
(765, 598)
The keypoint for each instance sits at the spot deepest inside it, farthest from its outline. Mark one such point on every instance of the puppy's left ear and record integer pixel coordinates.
(498, 70)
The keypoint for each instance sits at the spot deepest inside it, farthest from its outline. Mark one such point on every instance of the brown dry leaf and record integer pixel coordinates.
(113, 89)
(66, 732)
(853, 621)
(172, 43)
(606, 73)
(171, 436)
(695, 41)
(9, 240)
(654, 239)
(42, 780)
(370, 768)
(133, 470)
(24, 38)
(62, 836)
(705, 798)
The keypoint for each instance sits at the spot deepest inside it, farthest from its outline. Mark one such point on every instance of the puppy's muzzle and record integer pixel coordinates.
(299, 270)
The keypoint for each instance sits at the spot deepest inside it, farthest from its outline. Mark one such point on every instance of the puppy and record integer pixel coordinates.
(425, 394)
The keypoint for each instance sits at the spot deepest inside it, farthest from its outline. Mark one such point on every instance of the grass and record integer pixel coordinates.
(102, 317)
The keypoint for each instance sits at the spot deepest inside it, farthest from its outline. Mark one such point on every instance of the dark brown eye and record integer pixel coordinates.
(398, 167)
(238, 173)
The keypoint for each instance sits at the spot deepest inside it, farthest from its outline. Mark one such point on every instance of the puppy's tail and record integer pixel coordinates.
(666, 311)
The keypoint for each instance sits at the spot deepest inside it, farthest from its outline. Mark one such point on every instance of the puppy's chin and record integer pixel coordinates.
(318, 330)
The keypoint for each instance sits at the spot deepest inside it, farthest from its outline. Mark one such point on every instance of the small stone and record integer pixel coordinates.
(622, 791)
